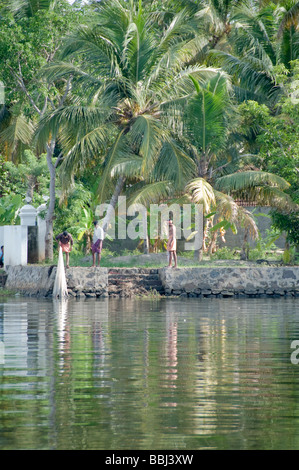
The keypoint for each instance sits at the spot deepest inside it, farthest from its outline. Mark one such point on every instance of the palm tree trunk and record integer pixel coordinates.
(113, 201)
(198, 254)
(146, 246)
(50, 211)
(145, 234)
(30, 186)
(244, 251)
(213, 243)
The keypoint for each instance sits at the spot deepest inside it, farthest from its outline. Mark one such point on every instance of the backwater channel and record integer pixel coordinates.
(139, 374)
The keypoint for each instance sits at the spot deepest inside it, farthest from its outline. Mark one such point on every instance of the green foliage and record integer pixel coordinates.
(27, 178)
(289, 223)
(9, 206)
(288, 255)
(84, 229)
(74, 212)
(144, 105)
(205, 120)
(276, 140)
(225, 253)
(265, 245)
(27, 43)
(5, 186)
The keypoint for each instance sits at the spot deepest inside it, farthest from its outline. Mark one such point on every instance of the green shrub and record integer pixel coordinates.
(225, 253)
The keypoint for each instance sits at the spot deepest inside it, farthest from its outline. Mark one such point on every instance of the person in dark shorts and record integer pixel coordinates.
(97, 243)
(66, 242)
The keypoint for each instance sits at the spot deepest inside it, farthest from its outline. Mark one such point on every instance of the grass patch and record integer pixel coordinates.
(225, 257)
(6, 292)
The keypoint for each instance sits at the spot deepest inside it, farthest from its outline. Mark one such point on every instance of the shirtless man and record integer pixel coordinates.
(171, 245)
(66, 242)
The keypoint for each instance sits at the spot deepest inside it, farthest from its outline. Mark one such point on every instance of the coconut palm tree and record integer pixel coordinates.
(261, 40)
(260, 187)
(33, 95)
(129, 77)
(27, 8)
(208, 121)
(155, 124)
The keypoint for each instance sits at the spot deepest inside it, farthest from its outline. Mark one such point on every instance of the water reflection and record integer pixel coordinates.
(140, 374)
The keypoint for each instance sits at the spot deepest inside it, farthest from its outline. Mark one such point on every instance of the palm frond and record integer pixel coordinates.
(175, 165)
(59, 70)
(17, 135)
(273, 197)
(205, 122)
(28, 8)
(229, 210)
(202, 193)
(290, 19)
(147, 137)
(247, 75)
(131, 168)
(87, 148)
(76, 121)
(20, 129)
(149, 193)
(244, 180)
(119, 151)
(246, 220)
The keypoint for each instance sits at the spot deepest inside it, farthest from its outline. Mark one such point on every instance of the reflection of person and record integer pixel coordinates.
(97, 243)
(66, 242)
(171, 244)
(2, 257)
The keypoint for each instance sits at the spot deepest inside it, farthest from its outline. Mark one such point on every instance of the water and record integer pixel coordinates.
(149, 374)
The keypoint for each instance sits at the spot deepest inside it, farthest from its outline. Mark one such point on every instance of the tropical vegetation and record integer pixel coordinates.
(173, 101)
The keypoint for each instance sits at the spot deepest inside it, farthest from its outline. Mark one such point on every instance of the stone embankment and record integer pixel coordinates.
(39, 281)
(128, 282)
(231, 282)
(3, 277)
(85, 282)
(183, 282)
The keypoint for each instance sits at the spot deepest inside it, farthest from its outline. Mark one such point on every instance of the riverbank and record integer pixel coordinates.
(220, 281)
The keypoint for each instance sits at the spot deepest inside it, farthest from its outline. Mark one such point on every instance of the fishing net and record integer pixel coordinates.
(60, 285)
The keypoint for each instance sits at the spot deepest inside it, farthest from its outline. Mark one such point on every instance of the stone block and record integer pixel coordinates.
(205, 292)
(227, 293)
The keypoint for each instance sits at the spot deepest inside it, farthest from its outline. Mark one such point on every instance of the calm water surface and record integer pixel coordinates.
(149, 374)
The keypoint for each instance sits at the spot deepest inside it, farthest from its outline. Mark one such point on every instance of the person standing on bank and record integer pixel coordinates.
(97, 243)
(66, 242)
(2, 257)
(171, 244)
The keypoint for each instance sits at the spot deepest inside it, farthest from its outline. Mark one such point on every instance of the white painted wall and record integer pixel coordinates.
(1, 235)
(15, 245)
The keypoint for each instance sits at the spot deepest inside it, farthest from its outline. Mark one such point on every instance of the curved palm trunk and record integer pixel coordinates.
(50, 211)
(198, 254)
(113, 201)
(212, 247)
(245, 250)
(146, 238)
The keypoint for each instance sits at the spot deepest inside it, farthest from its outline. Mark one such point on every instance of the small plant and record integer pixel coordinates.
(6, 292)
(225, 253)
(289, 255)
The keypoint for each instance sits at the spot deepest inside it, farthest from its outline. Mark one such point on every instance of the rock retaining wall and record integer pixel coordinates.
(3, 278)
(31, 280)
(87, 282)
(185, 282)
(230, 282)
(39, 281)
